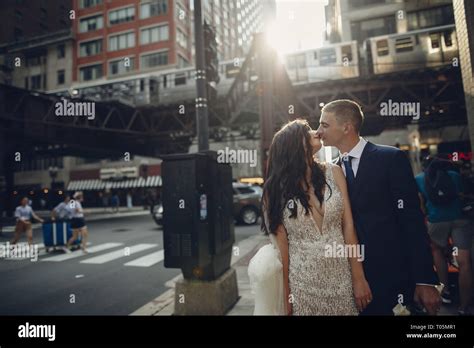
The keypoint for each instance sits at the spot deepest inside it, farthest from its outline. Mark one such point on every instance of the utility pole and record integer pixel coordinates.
(201, 83)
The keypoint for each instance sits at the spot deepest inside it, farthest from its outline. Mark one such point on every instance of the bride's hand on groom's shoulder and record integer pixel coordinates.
(362, 293)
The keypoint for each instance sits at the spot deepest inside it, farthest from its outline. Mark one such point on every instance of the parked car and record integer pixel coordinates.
(246, 206)
(247, 200)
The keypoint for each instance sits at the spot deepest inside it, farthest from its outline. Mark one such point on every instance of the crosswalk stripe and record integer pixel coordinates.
(118, 254)
(79, 253)
(147, 260)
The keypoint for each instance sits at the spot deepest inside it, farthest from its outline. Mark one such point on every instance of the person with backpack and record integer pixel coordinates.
(440, 189)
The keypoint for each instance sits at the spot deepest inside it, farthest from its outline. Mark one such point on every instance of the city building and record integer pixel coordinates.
(22, 19)
(126, 36)
(358, 20)
(464, 14)
(235, 21)
(39, 63)
(121, 50)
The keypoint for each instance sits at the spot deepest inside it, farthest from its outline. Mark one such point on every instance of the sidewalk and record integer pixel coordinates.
(163, 305)
(247, 248)
(91, 214)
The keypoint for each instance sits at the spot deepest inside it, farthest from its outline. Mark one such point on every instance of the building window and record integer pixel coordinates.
(26, 83)
(354, 4)
(122, 41)
(91, 72)
(89, 3)
(153, 8)
(61, 77)
(36, 82)
(154, 59)
(91, 24)
(362, 30)
(61, 49)
(181, 38)
(118, 67)
(122, 15)
(33, 61)
(90, 48)
(182, 62)
(154, 34)
(180, 12)
(180, 79)
(432, 17)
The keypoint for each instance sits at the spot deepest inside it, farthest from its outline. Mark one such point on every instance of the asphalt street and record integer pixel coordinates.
(123, 271)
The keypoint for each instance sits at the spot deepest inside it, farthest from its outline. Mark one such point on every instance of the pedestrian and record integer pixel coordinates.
(129, 200)
(115, 202)
(63, 210)
(24, 214)
(441, 190)
(78, 223)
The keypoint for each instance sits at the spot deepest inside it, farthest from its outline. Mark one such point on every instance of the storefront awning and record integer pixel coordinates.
(97, 184)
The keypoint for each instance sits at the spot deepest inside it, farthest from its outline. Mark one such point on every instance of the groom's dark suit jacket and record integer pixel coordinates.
(390, 224)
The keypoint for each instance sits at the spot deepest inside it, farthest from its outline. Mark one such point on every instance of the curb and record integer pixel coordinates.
(94, 217)
(163, 305)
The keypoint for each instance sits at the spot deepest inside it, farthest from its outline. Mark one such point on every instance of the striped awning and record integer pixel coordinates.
(97, 184)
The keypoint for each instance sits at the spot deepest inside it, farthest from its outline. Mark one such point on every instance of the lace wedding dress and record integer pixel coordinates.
(319, 285)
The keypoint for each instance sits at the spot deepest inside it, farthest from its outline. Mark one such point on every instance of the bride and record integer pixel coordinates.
(306, 213)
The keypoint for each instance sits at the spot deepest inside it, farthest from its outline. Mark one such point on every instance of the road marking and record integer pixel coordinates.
(147, 260)
(114, 255)
(79, 253)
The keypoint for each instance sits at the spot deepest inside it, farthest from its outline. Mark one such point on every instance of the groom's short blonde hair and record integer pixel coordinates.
(346, 110)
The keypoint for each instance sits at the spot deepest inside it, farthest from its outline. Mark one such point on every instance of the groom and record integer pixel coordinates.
(386, 210)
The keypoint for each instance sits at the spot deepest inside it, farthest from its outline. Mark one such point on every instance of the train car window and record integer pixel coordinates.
(153, 86)
(448, 41)
(435, 38)
(291, 62)
(301, 60)
(382, 48)
(179, 79)
(404, 44)
(346, 52)
(327, 56)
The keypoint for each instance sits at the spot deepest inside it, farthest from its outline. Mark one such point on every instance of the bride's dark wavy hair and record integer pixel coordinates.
(288, 160)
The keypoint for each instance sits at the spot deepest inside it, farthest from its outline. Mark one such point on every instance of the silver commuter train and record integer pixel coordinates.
(331, 62)
(432, 47)
(418, 49)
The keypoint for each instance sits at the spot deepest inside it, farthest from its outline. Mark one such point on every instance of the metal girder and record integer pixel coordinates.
(438, 89)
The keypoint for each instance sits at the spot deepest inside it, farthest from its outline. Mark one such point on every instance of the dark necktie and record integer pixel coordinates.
(350, 177)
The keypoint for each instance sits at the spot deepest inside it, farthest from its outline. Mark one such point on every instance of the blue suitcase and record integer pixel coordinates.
(57, 233)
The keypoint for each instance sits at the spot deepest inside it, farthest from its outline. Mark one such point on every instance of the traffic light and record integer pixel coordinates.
(210, 51)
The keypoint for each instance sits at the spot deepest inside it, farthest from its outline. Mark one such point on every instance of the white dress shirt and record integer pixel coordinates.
(356, 154)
